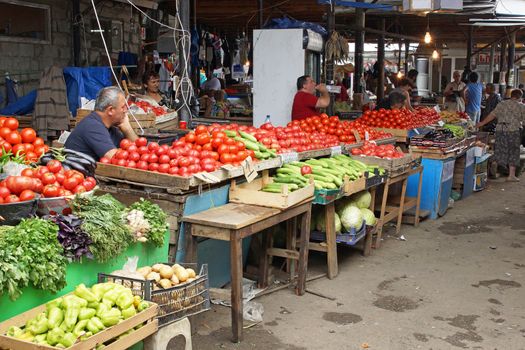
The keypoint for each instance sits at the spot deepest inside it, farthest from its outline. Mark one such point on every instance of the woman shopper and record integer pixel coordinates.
(454, 93)
(511, 116)
(473, 93)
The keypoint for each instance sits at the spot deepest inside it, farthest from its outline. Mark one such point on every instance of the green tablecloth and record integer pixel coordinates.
(85, 272)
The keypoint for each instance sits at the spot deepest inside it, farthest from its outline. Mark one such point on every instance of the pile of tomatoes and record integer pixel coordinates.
(399, 119)
(206, 149)
(47, 181)
(370, 149)
(24, 143)
(147, 107)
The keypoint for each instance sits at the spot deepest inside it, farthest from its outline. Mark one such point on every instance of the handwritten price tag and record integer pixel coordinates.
(248, 169)
(335, 151)
(289, 157)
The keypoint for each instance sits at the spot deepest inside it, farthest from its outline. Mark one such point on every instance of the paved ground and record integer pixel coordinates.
(457, 282)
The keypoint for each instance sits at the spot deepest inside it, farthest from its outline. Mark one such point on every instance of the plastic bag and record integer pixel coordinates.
(129, 270)
(253, 311)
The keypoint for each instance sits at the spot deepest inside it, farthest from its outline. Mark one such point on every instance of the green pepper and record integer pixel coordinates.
(79, 327)
(39, 327)
(102, 308)
(81, 291)
(86, 335)
(125, 299)
(54, 303)
(63, 326)
(71, 316)
(86, 313)
(26, 336)
(93, 305)
(55, 318)
(98, 323)
(54, 335)
(100, 289)
(111, 297)
(129, 312)
(91, 326)
(73, 301)
(40, 338)
(30, 322)
(111, 317)
(143, 306)
(68, 340)
(41, 316)
(14, 331)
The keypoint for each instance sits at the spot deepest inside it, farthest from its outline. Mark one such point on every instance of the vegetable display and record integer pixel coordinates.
(148, 221)
(70, 160)
(166, 276)
(456, 130)
(149, 108)
(74, 240)
(103, 220)
(453, 116)
(370, 149)
(24, 143)
(80, 315)
(399, 119)
(31, 253)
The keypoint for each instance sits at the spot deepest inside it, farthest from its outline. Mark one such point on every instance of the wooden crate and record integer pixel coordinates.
(351, 187)
(145, 120)
(250, 193)
(147, 315)
(388, 164)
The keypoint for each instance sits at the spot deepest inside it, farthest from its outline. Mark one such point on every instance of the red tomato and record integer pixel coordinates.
(28, 135)
(54, 166)
(164, 168)
(201, 129)
(142, 150)
(190, 138)
(125, 143)
(134, 156)
(131, 164)
(79, 189)
(38, 142)
(14, 138)
(4, 192)
(216, 142)
(48, 178)
(11, 199)
(4, 132)
(17, 184)
(11, 123)
(18, 149)
(50, 191)
(41, 149)
(27, 195)
(153, 158)
(70, 183)
(161, 151)
(173, 171)
(60, 177)
(37, 185)
(122, 162)
(141, 141)
(121, 154)
(153, 146)
(132, 148)
(226, 158)
(104, 160)
(202, 139)
(184, 162)
(153, 166)
(142, 165)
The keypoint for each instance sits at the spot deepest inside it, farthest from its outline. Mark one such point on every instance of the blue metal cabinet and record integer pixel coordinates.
(468, 176)
(436, 187)
(213, 252)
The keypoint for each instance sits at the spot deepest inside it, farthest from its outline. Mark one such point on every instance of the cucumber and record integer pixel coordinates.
(286, 171)
(271, 189)
(317, 177)
(288, 180)
(247, 136)
(296, 163)
(230, 133)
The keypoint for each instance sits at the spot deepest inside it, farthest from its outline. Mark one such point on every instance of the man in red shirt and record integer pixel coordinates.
(305, 103)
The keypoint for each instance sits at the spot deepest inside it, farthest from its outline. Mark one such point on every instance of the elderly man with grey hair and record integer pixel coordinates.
(100, 133)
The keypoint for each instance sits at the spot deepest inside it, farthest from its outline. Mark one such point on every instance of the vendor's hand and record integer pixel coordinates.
(321, 88)
(125, 124)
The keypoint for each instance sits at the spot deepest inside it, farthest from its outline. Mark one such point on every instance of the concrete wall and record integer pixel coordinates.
(32, 58)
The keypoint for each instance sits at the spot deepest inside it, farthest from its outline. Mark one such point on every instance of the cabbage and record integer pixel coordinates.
(368, 216)
(343, 203)
(362, 199)
(351, 217)
(337, 224)
(321, 226)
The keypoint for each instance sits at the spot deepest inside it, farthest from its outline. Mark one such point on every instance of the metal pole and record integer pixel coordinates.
(381, 63)
(491, 63)
(407, 53)
(76, 33)
(469, 47)
(510, 59)
(184, 12)
(330, 63)
(261, 2)
(359, 48)
(399, 44)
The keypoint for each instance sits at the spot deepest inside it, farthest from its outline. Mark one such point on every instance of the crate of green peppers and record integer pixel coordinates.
(106, 315)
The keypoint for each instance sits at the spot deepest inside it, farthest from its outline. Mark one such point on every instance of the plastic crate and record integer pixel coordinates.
(13, 213)
(327, 196)
(375, 179)
(175, 303)
(349, 238)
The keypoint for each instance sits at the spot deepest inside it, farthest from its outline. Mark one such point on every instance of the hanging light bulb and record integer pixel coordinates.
(435, 55)
(399, 75)
(428, 37)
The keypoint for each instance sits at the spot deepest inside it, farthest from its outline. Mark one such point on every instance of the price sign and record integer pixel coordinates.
(469, 157)
(335, 151)
(441, 123)
(448, 171)
(248, 169)
(367, 136)
(289, 157)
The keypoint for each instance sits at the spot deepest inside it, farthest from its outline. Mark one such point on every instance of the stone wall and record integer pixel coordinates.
(31, 59)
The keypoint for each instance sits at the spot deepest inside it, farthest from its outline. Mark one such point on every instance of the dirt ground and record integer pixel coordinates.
(457, 282)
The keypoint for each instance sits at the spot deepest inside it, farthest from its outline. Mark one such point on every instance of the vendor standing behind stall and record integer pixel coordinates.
(395, 100)
(454, 93)
(100, 133)
(305, 103)
(151, 83)
(511, 116)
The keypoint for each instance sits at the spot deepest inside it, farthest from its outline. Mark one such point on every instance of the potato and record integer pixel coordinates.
(165, 283)
(144, 271)
(181, 274)
(174, 280)
(153, 276)
(176, 266)
(166, 272)
(191, 273)
(157, 267)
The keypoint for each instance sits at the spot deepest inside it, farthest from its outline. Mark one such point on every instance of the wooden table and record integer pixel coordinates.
(233, 222)
(389, 211)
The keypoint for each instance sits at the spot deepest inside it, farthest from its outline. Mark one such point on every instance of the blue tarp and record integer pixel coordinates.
(286, 23)
(24, 105)
(85, 82)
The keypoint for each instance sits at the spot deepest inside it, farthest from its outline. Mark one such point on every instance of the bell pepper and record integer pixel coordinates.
(39, 327)
(92, 327)
(71, 316)
(26, 336)
(79, 327)
(55, 317)
(54, 335)
(81, 291)
(111, 317)
(129, 312)
(143, 306)
(125, 299)
(100, 289)
(93, 304)
(86, 335)
(136, 300)
(86, 313)
(98, 323)
(102, 308)
(68, 340)
(14, 331)
(110, 297)
(39, 339)
(30, 322)
(54, 303)
(73, 301)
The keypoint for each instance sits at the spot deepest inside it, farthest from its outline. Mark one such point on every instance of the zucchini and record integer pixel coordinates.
(230, 133)
(247, 136)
